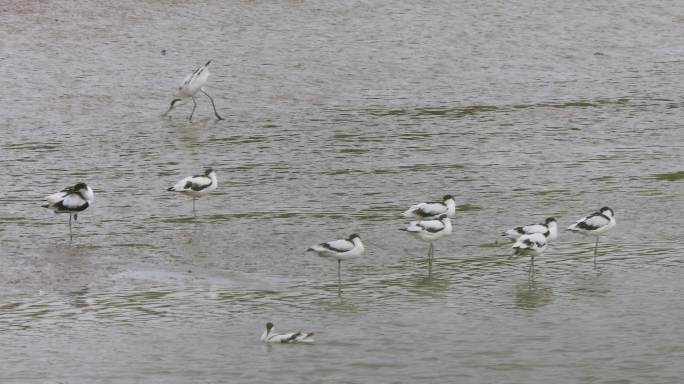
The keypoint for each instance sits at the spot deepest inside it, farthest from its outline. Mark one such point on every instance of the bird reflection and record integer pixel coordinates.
(532, 295)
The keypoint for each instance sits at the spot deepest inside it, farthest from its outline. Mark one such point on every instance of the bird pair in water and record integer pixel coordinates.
(78, 198)
(533, 239)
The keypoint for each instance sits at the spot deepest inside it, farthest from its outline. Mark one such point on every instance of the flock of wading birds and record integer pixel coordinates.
(432, 219)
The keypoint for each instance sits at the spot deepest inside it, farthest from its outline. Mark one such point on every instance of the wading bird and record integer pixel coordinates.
(425, 211)
(430, 231)
(71, 200)
(196, 186)
(595, 224)
(533, 244)
(339, 250)
(190, 86)
(549, 229)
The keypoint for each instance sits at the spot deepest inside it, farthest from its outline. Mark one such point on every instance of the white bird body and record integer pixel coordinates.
(340, 249)
(533, 244)
(595, 224)
(197, 186)
(430, 230)
(286, 338)
(432, 210)
(71, 200)
(549, 229)
(194, 81)
(192, 84)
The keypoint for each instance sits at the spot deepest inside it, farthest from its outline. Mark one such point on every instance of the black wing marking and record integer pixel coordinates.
(293, 337)
(80, 208)
(330, 247)
(586, 223)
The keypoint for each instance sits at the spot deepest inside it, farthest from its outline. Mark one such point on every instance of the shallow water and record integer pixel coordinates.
(338, 116)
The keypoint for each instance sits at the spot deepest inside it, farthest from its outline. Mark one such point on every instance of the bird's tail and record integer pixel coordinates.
(173, 189)
(207, 64)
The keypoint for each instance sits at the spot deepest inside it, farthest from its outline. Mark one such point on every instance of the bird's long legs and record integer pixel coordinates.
(193, 206)
(70, 234)
(431, 251)
(595, 250)
(194, 105)
(531, 272)
(212, 104)
(339, 277)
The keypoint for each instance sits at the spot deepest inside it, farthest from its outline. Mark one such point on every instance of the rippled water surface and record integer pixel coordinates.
(338, 116)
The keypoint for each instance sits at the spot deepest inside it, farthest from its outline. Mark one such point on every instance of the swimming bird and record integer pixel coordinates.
(533, 244)
(190, 86)
(285, 338)
(197, 186)
(430, 231)
(71, 200)
(549, 229)
(339, 250)
(431, 210)
(595, 224)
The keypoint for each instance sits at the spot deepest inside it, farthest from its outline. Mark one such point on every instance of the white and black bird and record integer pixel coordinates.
(71, 200)
(197, 186)
(549, 229)
(424, 211)
(430, 231)
(191, 85)
(595, 224)
(339, 250)
(533, 244)
(286, 338)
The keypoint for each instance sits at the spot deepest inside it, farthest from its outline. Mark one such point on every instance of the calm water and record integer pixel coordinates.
(338, 116)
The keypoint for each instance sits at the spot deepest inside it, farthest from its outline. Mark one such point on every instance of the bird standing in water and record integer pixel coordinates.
(196, 186)
(191, 85)
(595, 224)
(339, 250)
(71, 200)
